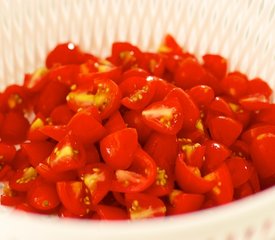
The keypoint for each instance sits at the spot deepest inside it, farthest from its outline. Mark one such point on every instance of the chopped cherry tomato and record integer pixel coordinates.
(184, 202)
(202, 95)
(141, 174)
(67, 155)
(263, 154)
(189, 178)
(222, 192)
(110, 212)
(115, 123)
(137, 92)
(7, 152)
(225, 130)
(73, 197)
(215, 64)
(61, 115)
(140, 206)
(43, 196)
(97, 178)
(165, 116)
(113, 150)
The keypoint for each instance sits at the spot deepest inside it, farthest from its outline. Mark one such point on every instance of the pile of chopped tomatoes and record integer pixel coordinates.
(136, 135)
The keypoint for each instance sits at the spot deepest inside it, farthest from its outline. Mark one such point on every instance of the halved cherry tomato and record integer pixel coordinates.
(110, 212)
(258, 86)
(141, 206)
(224, 129)
(202, 95)
(66, 53)
(263, 154)
(113, 151)
(141, 174)
(7, 152)
(255, 131)
(222, 192)
(67, 155)
(137, 92)
(43, 196)
(105, 96)
(73, 197)
(23, 179)
(34, 133)
(165, 116)
(189, 178)
(115, 123)
(184, 202)
(215, 64)
(36, 81)
(190, 111)
(97, 178)
(254, 102)
(85, 127)
(56, 132)
(61, 115)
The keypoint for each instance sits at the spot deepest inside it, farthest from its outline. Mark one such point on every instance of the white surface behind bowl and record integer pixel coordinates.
(242, 31)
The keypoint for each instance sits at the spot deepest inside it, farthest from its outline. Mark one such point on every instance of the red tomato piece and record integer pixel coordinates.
(137, 92)
(162, 88)
(52, 176)
(7, 153)
(141, 206)
(170, 45)
(190, 111)
(215, 154)
(215, 64)
(254, 102)
(73, 197)
(221, 106)
(165, 116)
(56, 132)
(222, 192)
(135, 120)
(194, 154)
(67, 155)
(184, 202)
(189, 178)
(97, 178)
(235, 85)
(225, 130)
(134, 72)
(141, 174)
(43, 196)
(23, 179)
(61, 115)
(202, 95)
(37, 80)
(266, 115)
(106, 212)
(258, 86)
(113, 150)
(14, 128)
(65, 53)
(189, 74)
(115, 123)
(5, 172)
(263, 154)
(34, 133)
(240, 170)
(105, 97)
(85, 127)
(38, 151)
(249, 135)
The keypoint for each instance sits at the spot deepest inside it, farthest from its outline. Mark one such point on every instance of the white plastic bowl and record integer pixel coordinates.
(243, 31)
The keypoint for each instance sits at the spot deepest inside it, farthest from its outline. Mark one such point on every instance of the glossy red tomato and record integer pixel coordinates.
(113, 151)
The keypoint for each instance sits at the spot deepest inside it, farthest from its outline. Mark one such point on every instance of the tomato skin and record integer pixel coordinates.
(215, 154)
(115, 123)
(110, 212)
(224, 129)
(190, 111)
(184, 202)
(71, 195)
(7, 152)
(61, 115)
(66, 53)
(67, 155)
(188, 180)
(257, 85)
(135, 120)
(113, 151)
(43, 196)
(38, 151)
(85, 127)
(240, 170)
(165, 116)
(141, 174)
(140, 206)
(202, 95)
(215, 64)
(56, 132)
(263, 154)
(249, 135)
(14, 128)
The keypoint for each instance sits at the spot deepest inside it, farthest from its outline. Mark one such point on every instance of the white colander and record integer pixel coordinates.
(241, 30)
